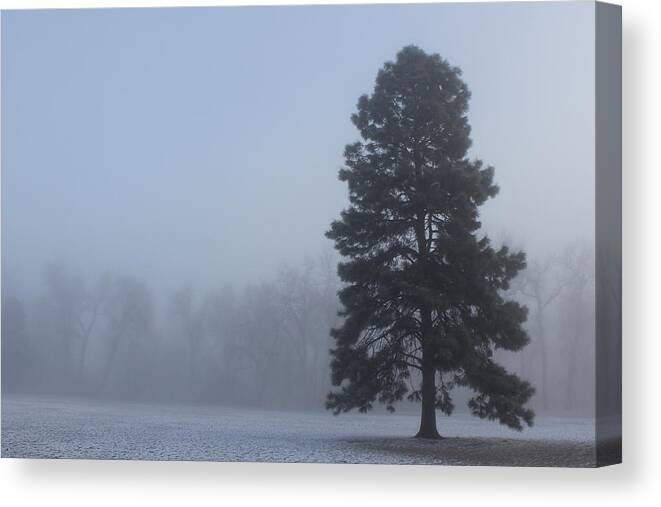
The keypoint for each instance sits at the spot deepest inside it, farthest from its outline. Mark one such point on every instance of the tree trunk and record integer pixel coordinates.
(81, 360)
(571, 375)
(428, 415)
(541, 339)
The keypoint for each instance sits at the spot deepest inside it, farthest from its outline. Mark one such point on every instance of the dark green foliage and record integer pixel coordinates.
(422, 290)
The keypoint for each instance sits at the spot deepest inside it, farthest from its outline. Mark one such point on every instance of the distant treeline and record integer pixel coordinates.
(264, 344)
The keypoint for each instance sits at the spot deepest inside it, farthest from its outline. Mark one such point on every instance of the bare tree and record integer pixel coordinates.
(577, 315)
(89, 316)
(64, 304)
(542, 288)
(16, 357)
(220, 311)
(129, 314)
(190, 325)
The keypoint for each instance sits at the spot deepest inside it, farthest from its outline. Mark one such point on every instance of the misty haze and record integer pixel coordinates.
(173, 222)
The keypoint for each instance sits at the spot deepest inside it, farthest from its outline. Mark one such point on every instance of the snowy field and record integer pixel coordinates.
(56, 428)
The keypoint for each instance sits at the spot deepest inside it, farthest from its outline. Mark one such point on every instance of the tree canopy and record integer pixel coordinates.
(423, 302)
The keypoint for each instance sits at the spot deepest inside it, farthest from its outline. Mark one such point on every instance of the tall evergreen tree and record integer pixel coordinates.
(423, 296)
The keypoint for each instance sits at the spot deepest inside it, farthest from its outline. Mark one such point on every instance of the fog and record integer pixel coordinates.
(168, 176)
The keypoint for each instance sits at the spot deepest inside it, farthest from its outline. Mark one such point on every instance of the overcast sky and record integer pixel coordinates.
(203, 144)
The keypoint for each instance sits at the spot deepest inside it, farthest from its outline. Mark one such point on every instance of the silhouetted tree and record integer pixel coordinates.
(222, 327)
(129, 312)
(578, 321)
(190, 323)
(64, 305)
(15, 348)
(423, 292)
(259, 338)
(541, 285)
(89, 317)
(75, 309)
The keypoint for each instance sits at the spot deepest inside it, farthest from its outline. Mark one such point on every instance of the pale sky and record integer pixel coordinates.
(202, 144)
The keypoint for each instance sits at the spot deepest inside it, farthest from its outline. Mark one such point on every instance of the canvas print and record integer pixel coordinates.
(323, 234)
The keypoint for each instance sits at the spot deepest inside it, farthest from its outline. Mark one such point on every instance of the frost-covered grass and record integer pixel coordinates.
(57, 428)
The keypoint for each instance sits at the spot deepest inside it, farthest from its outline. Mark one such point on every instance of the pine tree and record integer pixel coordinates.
(423, 293)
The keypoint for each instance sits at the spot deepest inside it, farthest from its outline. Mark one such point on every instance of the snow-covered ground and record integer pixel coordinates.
(56, 428)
